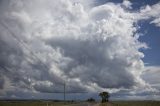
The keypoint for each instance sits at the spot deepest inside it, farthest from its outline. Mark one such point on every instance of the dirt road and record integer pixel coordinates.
(84, 104)
(94, 104)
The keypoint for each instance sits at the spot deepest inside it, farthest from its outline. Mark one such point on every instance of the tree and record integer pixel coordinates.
(90, 100)
(104, 96)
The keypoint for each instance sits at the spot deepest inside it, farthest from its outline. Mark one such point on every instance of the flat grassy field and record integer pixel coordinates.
(136, 103)
(35, 103)
(50, 103)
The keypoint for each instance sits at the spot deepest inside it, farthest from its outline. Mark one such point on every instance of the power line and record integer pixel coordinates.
(34, 56)
(25, 46)
(65, 92)
(4, 68)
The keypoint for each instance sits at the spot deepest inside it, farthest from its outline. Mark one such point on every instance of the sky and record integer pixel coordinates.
(90, 45)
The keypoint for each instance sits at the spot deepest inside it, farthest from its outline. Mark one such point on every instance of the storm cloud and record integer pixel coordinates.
(44, 43)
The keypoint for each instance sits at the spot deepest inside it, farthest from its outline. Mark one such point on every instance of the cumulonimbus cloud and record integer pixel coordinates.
(44, 43)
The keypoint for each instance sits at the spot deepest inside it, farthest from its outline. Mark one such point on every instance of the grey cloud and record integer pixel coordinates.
(91, 63)
(61, 41)
(1, 82)
(151, 76)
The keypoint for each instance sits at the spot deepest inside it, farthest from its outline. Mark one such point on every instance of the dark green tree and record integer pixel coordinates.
(104, 96)
(90, 100)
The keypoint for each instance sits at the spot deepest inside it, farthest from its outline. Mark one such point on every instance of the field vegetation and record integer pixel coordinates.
(131, 103)
(71, 103)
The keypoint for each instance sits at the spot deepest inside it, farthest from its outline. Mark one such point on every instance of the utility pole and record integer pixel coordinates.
(64, 91)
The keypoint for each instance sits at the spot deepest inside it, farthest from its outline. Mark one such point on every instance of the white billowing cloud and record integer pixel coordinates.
(91, 49)
(156, 21)
(151, 12)
(127, 4)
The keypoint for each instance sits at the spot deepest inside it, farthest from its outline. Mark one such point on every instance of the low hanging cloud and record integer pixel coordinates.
(47, 43)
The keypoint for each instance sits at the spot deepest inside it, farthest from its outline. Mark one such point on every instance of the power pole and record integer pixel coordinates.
(64, 91)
